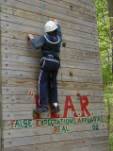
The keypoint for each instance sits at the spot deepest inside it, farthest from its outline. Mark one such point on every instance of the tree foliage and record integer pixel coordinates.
(105, 46)
(103, 25)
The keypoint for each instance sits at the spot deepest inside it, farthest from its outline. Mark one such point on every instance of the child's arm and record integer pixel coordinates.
(59, 28)
(37, 41)
(59, 31)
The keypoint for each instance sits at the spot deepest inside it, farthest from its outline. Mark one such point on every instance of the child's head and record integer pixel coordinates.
(51, 27)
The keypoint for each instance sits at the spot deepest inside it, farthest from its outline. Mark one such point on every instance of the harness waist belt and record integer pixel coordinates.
(49, 59)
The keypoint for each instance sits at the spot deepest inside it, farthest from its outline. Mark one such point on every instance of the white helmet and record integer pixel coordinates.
(50, 26)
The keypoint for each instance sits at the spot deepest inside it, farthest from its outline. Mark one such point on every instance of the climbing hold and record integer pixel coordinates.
(71, 7)
(64, 44)
(70, 73)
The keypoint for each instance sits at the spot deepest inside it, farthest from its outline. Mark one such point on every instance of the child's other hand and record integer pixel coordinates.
(56, 21)
(30, 36)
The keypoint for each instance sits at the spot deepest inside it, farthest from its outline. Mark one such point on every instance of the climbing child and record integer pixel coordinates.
(50, 44)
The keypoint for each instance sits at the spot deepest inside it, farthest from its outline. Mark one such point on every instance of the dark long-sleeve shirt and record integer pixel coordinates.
(48, 43)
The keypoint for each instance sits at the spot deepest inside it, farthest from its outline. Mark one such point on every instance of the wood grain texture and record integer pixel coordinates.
(53, 138)
(17, 133)
(42, 10)
(26, 99)
(29, 114)
(80, 72)
(60, 145)
(7, 14)
(23, 107)
(1, 122)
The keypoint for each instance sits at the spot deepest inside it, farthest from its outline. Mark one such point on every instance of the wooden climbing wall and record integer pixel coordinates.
(81, 123)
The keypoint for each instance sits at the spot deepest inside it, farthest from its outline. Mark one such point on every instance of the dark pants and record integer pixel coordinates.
(47, 87)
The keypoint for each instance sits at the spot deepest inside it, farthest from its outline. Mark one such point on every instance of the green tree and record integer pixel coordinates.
(105, 46)
(103, 25)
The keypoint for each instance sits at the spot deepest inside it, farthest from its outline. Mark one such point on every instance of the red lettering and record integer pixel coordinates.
(84, 104)
(36, 115)
(37, 100)
(54, 115)
(69, 106)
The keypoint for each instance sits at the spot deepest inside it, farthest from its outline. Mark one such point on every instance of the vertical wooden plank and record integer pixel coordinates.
(0, 88)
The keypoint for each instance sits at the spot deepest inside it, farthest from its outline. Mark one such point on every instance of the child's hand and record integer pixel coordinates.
(30, 37)
(56, 21)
